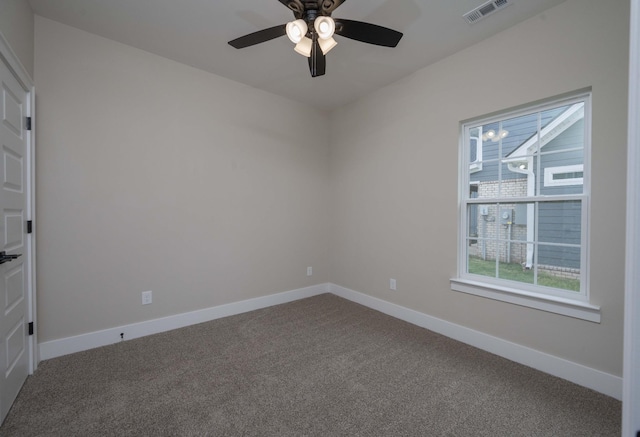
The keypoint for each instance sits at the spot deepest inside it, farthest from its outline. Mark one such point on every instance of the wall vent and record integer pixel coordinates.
(485, 9)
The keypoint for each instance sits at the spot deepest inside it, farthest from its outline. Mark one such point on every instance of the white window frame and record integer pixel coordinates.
(550, 172)
(553, 300)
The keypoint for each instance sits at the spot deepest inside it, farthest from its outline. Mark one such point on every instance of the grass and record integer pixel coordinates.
(515, 272)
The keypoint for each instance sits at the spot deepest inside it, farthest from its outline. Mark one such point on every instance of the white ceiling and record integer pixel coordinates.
(196, 32)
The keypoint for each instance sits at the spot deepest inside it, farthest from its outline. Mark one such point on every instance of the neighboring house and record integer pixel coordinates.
(538, 153)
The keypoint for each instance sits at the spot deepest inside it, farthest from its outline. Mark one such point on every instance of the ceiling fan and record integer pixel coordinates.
(313, 29)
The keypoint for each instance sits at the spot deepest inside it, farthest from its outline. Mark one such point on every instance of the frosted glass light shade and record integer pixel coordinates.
(325, 27)
(304, 47)
(327, 44)
(296, 30)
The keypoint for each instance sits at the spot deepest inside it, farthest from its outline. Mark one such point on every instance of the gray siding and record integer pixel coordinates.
(571, 138)
(561, 222)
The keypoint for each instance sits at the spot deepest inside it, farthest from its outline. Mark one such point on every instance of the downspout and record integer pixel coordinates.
(484, 237)
(510, 237)
(531, 191)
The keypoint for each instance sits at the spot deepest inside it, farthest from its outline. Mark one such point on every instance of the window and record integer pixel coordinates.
(475, 151)
(565, 175)
(524, 207)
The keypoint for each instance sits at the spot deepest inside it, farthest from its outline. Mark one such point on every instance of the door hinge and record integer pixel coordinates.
(30, 328)
(29, 226)
(28, 124)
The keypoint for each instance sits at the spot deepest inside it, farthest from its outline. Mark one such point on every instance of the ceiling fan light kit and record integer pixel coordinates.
(327, 44)
(304, 47)
(313, 29)
(296, 30)
(325, 27)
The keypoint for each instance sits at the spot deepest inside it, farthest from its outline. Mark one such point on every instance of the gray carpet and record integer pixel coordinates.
(321, 366)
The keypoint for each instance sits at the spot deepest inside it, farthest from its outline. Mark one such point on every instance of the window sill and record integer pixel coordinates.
(552, 304)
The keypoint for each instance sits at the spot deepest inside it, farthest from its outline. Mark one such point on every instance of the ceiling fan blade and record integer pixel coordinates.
(328, 6)
(296, 6)
(367, 32)
(317, 60)
(259, 37)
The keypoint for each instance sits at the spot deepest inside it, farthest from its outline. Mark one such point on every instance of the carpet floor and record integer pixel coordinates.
(321, 366)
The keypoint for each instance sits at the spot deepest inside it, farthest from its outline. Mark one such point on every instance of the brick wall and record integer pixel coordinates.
(490, 226)
(561, 272)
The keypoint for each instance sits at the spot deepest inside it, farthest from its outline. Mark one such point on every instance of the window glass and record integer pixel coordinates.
(523, 211)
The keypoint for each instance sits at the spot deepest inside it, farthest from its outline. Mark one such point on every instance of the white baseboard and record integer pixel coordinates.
(597, 380)
(78, 343)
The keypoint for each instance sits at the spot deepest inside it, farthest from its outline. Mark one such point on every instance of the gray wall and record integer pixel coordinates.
(394, 166)
(16, 24)
(157, 176)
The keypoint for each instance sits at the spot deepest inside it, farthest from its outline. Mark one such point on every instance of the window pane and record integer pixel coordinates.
(481, 258)
(501, 231)
(517, 233)
(489, 141)
(487, 179)
(514, 180)
(563, 128)
(559, 267)
(560, 222)
(479, 266)
(519, 135)
(481, 229)
(562, 173)
(472, 214)
(518, 150)
(517, 253)
(475, 152)
(512, 264)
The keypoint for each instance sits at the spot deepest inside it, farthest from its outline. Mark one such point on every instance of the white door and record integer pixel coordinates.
(14, 281)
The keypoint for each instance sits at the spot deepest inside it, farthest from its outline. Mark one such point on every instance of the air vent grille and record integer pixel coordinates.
(473, 16)
(485, 9)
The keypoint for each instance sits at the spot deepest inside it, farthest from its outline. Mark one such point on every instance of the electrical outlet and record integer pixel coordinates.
(147, 297)
(309, 271)
(392, 284)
